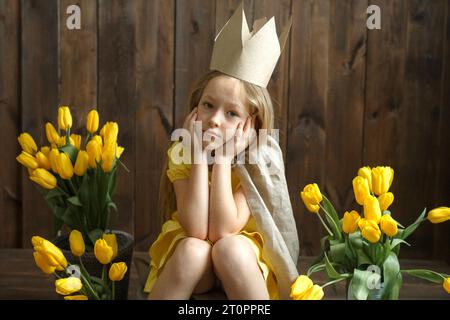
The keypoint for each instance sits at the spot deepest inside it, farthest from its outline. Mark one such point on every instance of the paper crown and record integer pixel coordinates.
(250, 56)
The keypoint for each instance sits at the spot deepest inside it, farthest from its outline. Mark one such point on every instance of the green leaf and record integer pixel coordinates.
(362, 258)
(395, 242)
(356, 240)
(84, 196)
(410, 229)
(337, 252)
(331, 271)
(426, 275)
(52, 194)
(359, 285)
(391, 269)
(71, 151)
(315, 268)
(332, 218)
(95, 234)
(75, 201)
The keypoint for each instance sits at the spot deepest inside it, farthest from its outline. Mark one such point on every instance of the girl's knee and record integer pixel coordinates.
(193, 249)
(231, 250)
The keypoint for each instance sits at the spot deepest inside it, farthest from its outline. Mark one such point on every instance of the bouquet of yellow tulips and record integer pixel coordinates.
(74, 282)
(363, 250)
(77, 178)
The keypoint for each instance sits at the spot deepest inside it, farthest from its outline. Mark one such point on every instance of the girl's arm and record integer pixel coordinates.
(192, 201)
(228, 212)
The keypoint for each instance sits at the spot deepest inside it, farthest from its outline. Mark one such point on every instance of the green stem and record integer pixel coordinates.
(72, 187)
(113, 290)
(324, 224)
(62, 190)
(331, 218)
(416, 270)
(335, 281)
(87, 139)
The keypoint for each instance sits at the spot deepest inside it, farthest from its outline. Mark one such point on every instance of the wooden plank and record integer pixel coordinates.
(10, 205)
(442, 191)
(194, 38)
(116, 93)
(154, 71)
(306, 136)
(78, 63)
(279, 83)
(345, 100)
(39, 104)
(226, 8)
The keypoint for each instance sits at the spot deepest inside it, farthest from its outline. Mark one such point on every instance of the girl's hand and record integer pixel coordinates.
(195, 135)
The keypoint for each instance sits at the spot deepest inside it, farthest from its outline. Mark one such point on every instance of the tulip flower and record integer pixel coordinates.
(103, 252)
(76, 297)
(372, 209)
(382, 179)
(44, 178)
(68, 285)
(119, 151)
(95, 153)
(81, 164)
(43, 161)
(361, 189)
(111, 240)
(439, 215)
(350, 221)
(65, 168)
(446, 285)
(313, 293)
(108, 157)
(110, 133)
(388, 225)
(311, 197)
(27, 143)
(64, 118)
(301, 285)
(50, 252)
(53, 156)
(75, 140)
(366, 172)
(98, 139)
(385, 200)
(52, 134)
(27, 160)
(45, 150)
(92, 121)
(117, 271)
(76, 243)
(371, 231)
(42, 263)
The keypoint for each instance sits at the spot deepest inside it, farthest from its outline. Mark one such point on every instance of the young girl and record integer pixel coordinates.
(212, 236)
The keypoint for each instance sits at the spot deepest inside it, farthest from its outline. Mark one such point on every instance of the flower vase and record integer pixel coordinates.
(374, 294)
(125, 243)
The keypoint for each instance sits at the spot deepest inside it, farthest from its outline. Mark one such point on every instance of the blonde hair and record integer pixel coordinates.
(260, 103)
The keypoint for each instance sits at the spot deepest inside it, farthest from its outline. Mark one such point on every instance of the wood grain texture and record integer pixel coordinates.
(10, 171)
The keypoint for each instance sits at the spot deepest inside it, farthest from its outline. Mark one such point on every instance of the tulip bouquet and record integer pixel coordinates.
(77, 178)
(74, 282)
(363, 250)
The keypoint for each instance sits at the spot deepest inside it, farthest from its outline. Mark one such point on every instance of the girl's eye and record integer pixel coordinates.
(208, 105)
(233, 114)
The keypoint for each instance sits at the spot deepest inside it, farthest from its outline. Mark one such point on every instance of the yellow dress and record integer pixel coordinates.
(172, 232)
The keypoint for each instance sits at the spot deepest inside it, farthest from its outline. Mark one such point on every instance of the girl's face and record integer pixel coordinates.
(222, 106)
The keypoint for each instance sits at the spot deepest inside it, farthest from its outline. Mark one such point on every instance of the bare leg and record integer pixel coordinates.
(235, 264)
(189, 269)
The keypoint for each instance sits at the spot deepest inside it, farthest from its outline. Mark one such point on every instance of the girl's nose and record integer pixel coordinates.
(214, 120)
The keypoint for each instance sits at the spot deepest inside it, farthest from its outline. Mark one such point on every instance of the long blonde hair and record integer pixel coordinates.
(259, 101)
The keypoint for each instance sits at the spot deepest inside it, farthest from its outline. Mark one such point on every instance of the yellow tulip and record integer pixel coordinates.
(62, 141)
(366, 173)
(385, 200)
(110, 133)
(311, 197)
(103, 252)
(98, 139)
(314, 293)
(388, 225)
(76, 243)
(64, 118)
(27, 143)
(42, 263)
(360, 189)
(382, 179)
(92, 121)
(53, 156)
(75, 140)
(350, 221)
(362, 223)
(95, 153)
(372, 209)
(111, 240)
(44, 178)
(50, 252)
(81, 164)
(439, 215)
(43, 161)
(68, 285)
(108, 157)
(65, 168)
(117, 271)
(27, 160)
(119, 151)
(76, 297)
(371, 231)
(446, 285)
(52, 134)
(45, 150)
(301, 285)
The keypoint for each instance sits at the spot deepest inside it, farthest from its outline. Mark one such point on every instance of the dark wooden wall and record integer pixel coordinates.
(345, 97)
